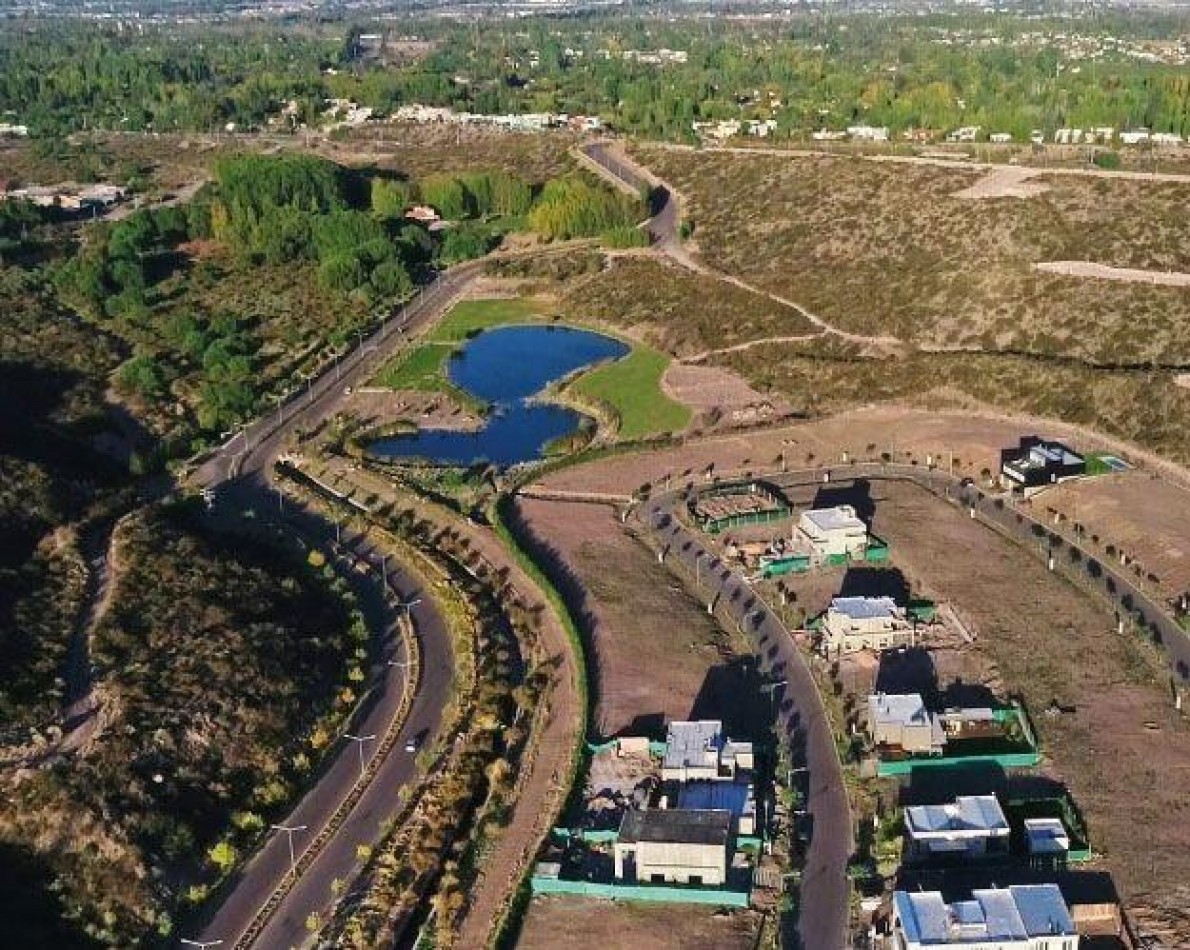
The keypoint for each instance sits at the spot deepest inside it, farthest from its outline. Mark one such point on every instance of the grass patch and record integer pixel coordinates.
(469, 317)
(631, 387)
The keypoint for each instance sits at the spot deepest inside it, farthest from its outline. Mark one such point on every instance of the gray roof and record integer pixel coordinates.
(1014, 913)
(687, 743)
(965, 813)
(677, 826)
(904, 708)
(865, 608)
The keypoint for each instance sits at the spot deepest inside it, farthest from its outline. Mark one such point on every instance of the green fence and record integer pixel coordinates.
(588, 835)
(780, 507)
(655, 893)
(1007, 760)
(877, 550)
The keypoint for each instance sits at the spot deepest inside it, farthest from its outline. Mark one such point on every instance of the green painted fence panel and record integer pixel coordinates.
(1007, 760)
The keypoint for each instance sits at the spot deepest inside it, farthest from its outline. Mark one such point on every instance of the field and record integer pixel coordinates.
(674, 309)
(657, 656)
(570, 922)
(1145, 518)
(883, 248)
(631, 387)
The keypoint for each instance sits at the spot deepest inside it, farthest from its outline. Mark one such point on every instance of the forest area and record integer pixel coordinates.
(818, 70)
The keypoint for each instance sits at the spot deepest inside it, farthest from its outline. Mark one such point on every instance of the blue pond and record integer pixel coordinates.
(506, 367)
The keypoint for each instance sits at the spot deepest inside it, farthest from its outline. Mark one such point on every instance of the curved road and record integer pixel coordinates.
(239, 474)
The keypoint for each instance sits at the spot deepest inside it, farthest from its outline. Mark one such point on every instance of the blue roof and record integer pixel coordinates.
(1013, 913)
(865, 608)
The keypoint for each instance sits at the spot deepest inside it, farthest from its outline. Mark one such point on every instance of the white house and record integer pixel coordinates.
(832, 531)
(864, 623)
(972, 826)
(868, 133)
(902, 721)
(674, 846)
(1021, 917)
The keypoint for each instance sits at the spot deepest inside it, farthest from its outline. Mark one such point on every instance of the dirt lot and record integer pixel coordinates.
(658, 656)
(1124, 752)
(555, 922)
(1147, 518)
(375, 406)
(720, 396)
(973, 441)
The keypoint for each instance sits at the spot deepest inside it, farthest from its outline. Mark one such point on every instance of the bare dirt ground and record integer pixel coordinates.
(1146, 518)
(1105, 272)
(973, 441)
(1183, 380)
(720, 393)
(654, 645)
(376, 406)
(1008, 181)
(554, 922)
(1124, 752)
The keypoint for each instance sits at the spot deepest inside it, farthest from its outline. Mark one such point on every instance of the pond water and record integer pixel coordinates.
(506, 368)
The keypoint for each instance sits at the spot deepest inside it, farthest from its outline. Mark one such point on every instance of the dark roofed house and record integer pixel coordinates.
(674, 846)
(1037, 462)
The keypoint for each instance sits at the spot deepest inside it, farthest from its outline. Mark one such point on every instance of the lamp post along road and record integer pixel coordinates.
(290, 831)
(186, 941)
(359, 744)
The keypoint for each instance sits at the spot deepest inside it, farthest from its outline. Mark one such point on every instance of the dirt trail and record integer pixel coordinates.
(1106, 272)
(740, 347)
(665, 226)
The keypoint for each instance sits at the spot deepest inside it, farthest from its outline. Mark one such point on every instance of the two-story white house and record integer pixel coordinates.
(972, 826)
(864, 623)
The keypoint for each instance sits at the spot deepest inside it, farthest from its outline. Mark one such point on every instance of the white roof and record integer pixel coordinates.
(839, 518)
(865, 608)
(1015, 913)
(965, 813)
(904, 708)
(687, 743)
(1046, 836)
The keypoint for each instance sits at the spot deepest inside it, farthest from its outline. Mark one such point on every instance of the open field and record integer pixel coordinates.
(884, 248)
(572, 922)
(1052, 642)
(1146, 518)
(657, 655)
(678, 311)
(631, 387)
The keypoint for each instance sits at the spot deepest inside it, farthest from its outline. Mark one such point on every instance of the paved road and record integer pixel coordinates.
(240, 474)
(667, 217)
(825, 889)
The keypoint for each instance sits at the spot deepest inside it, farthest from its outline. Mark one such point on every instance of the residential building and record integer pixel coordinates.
(737, 797)
(864, 623)
(1038, 462)
(901, 721)
(965, 133)
(674, 846)
(423, 213)
(832, 532)
(1021, 917)
(868, 133)
(1047, 836)
(698, 751)
(972, 826)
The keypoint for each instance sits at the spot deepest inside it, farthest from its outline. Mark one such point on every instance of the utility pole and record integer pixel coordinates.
(359, 744)
(290, 831)
(201, 943)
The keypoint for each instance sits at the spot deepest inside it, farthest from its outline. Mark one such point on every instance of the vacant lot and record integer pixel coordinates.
(891, 249)
(657, 655)
(1052, 642)
(572, 922)
(1144, 517)
(681, 312)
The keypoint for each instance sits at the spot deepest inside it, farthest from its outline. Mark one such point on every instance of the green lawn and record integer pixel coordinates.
(632, 387)
(468, 317)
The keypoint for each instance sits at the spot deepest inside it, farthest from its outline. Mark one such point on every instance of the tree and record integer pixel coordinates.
(224, 856)
(390, 198)
(341, 272)
(391, 279)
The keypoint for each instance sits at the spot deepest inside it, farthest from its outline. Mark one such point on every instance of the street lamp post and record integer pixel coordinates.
(698, 568)
(359, 744)
(201, 943)
(290, 831)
